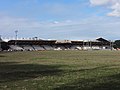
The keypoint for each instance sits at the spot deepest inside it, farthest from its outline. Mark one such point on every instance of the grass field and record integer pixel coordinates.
(60, 70)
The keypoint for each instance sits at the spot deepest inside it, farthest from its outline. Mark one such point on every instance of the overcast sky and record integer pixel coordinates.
(60, 19)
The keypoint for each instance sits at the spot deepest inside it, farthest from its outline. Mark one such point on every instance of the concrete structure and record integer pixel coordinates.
(39, 44)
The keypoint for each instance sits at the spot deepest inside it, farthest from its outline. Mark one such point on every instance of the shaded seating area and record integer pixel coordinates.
(27, 47)
(38, 47)
(47, 47)
(15, 48)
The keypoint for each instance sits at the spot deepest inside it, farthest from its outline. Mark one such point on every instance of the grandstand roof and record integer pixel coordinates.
(102, 40)
(32, 41)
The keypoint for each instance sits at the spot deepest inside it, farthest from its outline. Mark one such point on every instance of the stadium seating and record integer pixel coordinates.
(47, 47)
(54, 47)
(87, 48)
(15, 48)
(96, 48)
(75, 47)
(28, 47)
(37, 47)
(61, 47)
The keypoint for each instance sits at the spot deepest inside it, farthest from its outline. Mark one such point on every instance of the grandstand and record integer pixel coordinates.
(33, 44)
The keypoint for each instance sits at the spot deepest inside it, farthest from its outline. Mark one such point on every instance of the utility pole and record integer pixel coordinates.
(111, 45)
(0, 43)
(16, 36)
(90, 44)
(83, 45)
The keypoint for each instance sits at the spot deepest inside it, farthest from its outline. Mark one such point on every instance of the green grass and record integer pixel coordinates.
(60, 70)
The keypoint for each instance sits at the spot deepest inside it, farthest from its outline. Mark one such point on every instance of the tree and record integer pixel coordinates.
(117, 44)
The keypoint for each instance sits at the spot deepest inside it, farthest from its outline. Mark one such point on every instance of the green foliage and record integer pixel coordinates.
(60, 70)
(117, 44)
